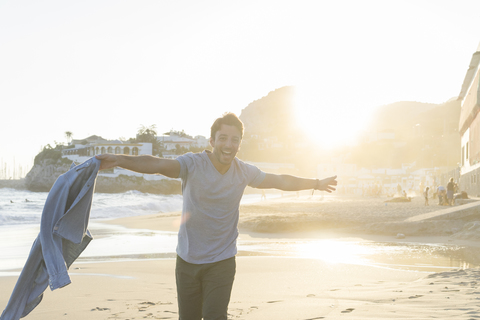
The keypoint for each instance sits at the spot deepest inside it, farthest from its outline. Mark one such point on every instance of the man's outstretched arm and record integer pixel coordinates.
(287, 182)
(143, 164)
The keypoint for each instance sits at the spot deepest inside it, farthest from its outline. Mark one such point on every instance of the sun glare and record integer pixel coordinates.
(334, 251)
(329, 122)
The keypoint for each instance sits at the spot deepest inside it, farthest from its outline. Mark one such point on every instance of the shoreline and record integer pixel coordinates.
(267, 287)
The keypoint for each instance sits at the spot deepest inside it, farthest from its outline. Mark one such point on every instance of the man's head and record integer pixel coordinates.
(230, 119)
(226, 137)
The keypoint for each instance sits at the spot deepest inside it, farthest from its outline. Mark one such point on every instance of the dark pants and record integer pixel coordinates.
(204, 289)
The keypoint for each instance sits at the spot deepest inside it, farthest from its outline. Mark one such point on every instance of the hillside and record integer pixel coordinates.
(271, 115)
(424, 133)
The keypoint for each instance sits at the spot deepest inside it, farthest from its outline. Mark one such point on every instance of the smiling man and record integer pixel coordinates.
(212, 185)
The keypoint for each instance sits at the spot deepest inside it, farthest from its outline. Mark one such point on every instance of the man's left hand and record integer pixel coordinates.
(327, 184)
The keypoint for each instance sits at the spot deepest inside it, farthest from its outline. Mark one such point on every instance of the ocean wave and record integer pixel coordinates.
(23, 207)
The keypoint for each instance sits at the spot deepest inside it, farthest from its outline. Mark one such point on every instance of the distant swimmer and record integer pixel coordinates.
(11, 201)
(26, 200)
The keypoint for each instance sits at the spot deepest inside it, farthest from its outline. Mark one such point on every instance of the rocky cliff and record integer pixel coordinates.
(44, 174)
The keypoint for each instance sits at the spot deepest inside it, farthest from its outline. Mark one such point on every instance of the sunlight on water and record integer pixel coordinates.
(333, 251)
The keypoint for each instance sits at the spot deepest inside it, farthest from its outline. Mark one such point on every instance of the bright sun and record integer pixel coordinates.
(330, 122)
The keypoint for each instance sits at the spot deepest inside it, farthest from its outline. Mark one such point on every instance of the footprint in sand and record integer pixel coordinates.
(275, 301)
(348, 310)
(450, 290)
(415, 296)
(100, 309)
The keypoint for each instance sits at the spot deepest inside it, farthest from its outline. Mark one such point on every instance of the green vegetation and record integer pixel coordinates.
(50, 155)
(149, 134)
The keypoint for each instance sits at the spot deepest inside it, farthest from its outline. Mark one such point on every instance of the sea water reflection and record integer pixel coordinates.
(405, 255)
(113, 243)
(116, 242)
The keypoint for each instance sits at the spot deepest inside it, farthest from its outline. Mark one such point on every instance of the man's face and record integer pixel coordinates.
(226, 144)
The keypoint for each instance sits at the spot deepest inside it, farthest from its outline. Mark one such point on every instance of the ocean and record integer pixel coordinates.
(21, 210)
(20, 213)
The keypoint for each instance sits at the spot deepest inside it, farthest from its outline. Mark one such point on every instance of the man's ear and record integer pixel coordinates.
(212, 142)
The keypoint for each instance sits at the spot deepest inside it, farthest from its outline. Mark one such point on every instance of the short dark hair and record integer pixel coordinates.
(229, 119)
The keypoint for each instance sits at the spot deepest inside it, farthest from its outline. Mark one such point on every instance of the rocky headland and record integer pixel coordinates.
(43, 175)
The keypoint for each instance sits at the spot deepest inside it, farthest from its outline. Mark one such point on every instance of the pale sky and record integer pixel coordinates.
(107, 67)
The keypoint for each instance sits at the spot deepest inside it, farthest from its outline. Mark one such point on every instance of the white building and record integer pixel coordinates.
(173, 139)
(81, 150)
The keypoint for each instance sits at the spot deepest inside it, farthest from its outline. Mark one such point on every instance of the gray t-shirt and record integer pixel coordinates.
(208, 232)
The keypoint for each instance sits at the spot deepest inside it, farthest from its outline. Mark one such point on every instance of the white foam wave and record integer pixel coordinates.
(23, 207)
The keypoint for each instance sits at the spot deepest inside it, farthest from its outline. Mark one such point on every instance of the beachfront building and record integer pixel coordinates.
(81, 150)
(175, 142)
(469, 128)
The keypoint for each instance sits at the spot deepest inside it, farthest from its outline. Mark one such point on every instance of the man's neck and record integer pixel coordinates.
(221, 168)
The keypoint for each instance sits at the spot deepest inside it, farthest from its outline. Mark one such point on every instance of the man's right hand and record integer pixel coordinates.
(108, 161)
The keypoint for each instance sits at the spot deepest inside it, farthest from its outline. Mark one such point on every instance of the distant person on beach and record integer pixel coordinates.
(450, 191)
(441, 194)
(425, 194)
(212, 184)
(399, 189)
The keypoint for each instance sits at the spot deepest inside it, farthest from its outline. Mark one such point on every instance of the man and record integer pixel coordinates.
(212, 184)
(450, 192)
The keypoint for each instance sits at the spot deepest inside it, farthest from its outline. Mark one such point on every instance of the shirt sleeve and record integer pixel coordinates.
(256, 176)
(186, 162)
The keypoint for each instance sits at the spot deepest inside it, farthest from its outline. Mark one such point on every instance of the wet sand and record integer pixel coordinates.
(273, 287)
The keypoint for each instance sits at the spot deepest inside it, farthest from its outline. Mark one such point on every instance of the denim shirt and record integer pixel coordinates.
(63, 237)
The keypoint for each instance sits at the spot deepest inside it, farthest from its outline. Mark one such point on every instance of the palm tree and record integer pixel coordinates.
(69, 135)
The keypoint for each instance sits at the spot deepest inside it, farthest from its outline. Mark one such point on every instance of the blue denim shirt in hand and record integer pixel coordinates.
(63, 237)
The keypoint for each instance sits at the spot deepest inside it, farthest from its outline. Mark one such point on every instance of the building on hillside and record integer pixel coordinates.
(469, 128)
(173, 141)
(81, 150)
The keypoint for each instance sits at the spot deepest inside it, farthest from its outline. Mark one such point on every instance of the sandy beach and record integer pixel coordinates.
(277, 287)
